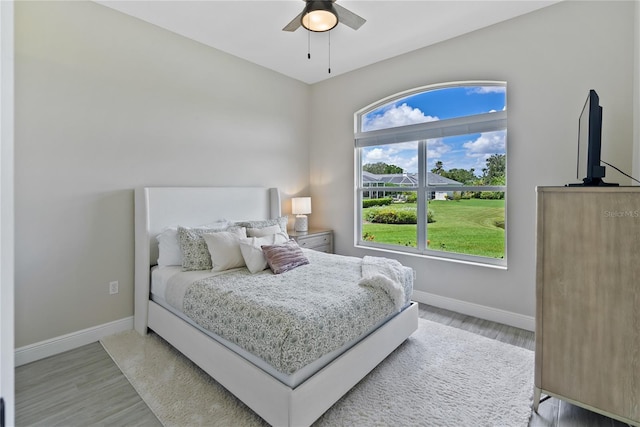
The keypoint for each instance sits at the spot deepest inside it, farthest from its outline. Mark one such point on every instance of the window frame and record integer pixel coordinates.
(421, 133)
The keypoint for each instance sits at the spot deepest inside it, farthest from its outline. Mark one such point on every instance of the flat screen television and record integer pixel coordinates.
(590, 143)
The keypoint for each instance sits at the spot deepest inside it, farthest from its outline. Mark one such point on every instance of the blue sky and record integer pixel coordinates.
(463, 151)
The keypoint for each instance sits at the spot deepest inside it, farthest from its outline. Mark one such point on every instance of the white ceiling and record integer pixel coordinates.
(252, 30)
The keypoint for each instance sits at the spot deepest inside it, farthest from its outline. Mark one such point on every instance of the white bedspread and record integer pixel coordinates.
(386, 274)
(290, 319)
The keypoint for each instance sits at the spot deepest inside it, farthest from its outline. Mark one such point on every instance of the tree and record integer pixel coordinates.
(464, 176)
(382, 168)
(439, 169)
(495, 172)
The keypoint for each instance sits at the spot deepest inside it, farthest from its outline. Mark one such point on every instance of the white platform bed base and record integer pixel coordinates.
(272, 400)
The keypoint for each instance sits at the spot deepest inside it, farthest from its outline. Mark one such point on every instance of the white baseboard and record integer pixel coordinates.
(477, 310)
(40, 350)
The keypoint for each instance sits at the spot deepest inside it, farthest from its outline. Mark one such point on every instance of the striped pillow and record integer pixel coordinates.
(284, 257)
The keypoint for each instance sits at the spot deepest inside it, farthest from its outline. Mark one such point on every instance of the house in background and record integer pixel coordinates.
(404, 179)
(105, 103)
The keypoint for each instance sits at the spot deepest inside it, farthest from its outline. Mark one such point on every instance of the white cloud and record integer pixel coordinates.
(375, 155)
(486, 144)
(404, 155)
(395, 116)
(409, 165)
(484, 147)
(436, 148)
(488, 89)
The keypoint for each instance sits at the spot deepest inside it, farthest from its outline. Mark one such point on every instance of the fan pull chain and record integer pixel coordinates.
(308, 44)
(329, 52)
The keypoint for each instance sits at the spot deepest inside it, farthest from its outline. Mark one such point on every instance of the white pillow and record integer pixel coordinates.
(224, 248)
(169, 247)
(266, 231)
(169, 252)
(252, 252)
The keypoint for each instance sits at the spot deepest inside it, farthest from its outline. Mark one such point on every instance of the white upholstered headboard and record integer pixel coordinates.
(160, 207)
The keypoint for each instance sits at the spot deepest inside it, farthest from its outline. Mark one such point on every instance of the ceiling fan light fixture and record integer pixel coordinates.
(319, 16)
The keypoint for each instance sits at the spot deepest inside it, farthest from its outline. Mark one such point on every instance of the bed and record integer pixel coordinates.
(294, 398)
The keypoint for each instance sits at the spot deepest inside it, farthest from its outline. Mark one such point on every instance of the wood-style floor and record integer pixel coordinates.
(83, 387)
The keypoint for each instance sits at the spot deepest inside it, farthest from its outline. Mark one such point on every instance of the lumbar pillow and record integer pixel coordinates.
(251, 249)
(284, 257)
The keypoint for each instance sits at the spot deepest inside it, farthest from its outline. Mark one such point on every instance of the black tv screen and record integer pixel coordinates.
(589, 169)
(590, 139)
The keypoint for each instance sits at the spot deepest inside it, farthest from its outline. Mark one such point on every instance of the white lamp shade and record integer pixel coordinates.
(319, 16)
(319, 21)
(301, 205)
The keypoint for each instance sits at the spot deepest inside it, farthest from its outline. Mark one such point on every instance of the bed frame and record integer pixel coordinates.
(275, 402)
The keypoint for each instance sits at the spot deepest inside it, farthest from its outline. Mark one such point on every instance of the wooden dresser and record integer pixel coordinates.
(588, 298)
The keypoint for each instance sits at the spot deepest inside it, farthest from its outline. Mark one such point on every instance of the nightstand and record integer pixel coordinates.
(316, 239)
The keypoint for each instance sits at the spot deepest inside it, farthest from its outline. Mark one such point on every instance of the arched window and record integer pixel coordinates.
(431, 172)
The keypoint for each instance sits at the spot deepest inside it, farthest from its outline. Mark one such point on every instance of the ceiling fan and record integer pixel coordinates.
(320, 16)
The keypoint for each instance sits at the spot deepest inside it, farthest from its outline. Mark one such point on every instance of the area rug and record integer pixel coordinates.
(440, 376)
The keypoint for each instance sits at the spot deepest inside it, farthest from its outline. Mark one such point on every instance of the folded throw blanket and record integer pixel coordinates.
(386, 274)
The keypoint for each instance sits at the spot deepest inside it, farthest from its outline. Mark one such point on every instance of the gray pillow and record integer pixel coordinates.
(280, 221)
(195, 253)
(284, 257)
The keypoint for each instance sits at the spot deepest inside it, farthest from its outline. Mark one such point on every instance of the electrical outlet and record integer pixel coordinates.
(113, 287)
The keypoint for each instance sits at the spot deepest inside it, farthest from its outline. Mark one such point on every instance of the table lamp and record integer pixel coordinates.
(300, 207)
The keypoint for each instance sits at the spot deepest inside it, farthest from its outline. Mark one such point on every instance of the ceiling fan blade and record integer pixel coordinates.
(349, 18)
(294, 24)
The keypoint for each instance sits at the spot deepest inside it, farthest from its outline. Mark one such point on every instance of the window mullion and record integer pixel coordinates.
(358, 207)
(421, 228)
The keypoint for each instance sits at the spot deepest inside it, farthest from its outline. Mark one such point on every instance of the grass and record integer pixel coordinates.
(465, 226)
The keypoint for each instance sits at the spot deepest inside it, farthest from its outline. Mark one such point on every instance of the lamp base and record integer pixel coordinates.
(302, 223)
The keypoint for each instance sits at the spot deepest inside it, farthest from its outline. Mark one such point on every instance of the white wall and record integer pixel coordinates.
(106, 103)
(7, 375)
(549, 59)
(636, 95)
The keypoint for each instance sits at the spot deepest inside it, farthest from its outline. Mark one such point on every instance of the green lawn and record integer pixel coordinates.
(465, 226)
